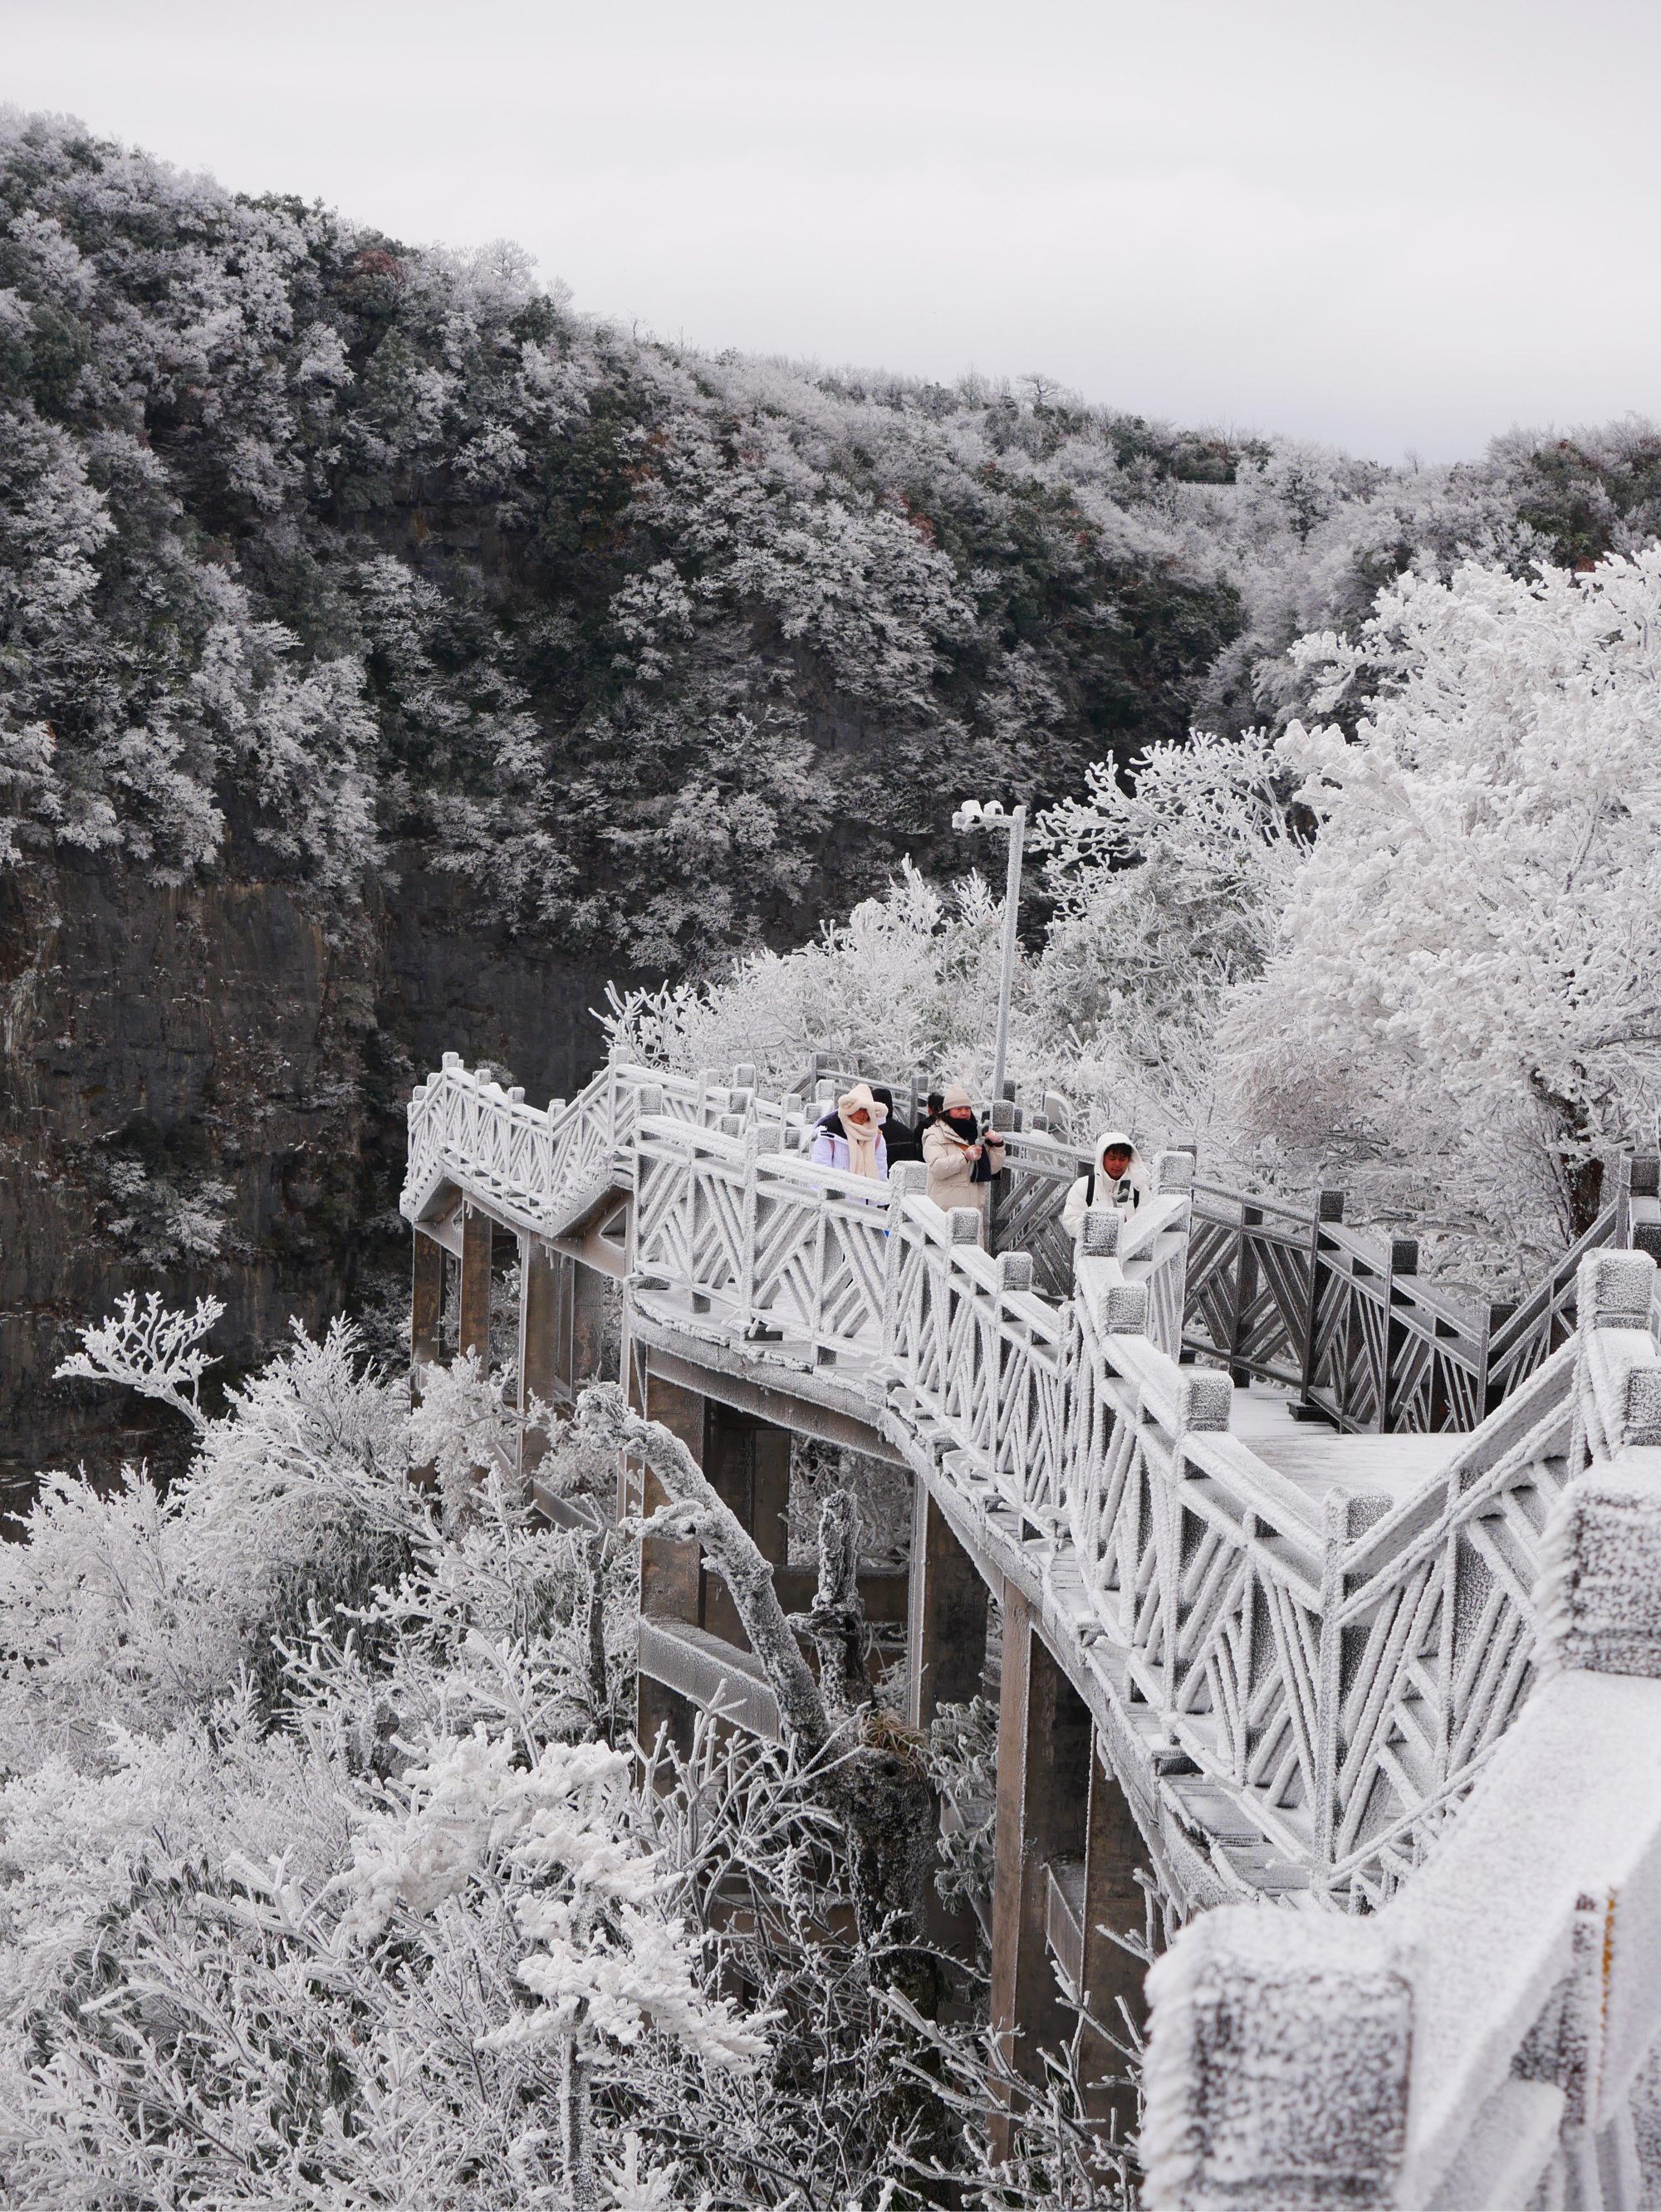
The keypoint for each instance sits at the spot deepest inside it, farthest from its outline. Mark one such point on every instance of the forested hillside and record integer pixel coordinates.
(390, 653)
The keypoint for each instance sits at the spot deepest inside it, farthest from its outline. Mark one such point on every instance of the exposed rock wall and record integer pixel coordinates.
(202, 1091)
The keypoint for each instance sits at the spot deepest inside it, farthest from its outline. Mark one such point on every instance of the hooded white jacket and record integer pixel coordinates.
(1122, 1197)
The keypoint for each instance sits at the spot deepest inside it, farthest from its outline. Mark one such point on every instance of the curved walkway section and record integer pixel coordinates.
(1295, 1679)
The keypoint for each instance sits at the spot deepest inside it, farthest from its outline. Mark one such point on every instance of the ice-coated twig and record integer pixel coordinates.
(159, 1353)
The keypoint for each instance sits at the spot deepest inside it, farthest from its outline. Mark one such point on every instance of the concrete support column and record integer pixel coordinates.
(426, 1328)
(1113, 1897)
(476, 1230)
(634, 1389)
(543, 1338)
(670, 1572)
(587, 1337)
(1044, 1766)
(426, 1308)
(946, 1627)
(749, 1468)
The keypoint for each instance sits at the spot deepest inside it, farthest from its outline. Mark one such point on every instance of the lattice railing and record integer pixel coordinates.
(1338, 1671)
(1294, 1298)
(1494, 2036)
(790, 1251)
(972, 1355)
(534, 1164)
(1341, 1669)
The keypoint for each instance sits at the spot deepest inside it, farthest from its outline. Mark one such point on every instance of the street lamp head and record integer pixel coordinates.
(967, 814)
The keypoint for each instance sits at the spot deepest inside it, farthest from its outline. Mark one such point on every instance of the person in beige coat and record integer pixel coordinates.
(953, 1145)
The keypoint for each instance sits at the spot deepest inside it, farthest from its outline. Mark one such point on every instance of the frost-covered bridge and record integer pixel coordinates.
(1273, 1660)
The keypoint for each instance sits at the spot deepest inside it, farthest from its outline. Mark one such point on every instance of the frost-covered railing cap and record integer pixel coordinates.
(1598, 1597)
(1278, 2077)
(1121, 1310)
(1615, 1289)
(1100, 1237)
(1205, 1400)
(1620, 1374)
(1173, 1171)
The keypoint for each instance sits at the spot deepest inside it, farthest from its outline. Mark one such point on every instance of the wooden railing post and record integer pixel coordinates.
(1245, 1290)
(1205, 1407)
(1328, 1206)
(1346, 1517)
(908, 1180)
(1403, 1260)
(746, 1283)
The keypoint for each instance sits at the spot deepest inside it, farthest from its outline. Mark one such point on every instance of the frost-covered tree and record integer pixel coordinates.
(1168, 888)
(908, 982)
(1469, 981)
(322, 1885)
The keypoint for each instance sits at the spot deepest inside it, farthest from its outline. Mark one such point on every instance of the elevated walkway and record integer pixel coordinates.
(1271, 1624)
(1269, 1656)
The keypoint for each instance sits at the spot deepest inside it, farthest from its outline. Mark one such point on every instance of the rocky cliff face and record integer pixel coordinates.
(203, 1094)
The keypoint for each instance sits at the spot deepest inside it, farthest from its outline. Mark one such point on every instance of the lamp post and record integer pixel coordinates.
(970, 816)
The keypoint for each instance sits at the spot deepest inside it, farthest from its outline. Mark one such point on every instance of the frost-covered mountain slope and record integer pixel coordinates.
(312, 542)
(389, 653)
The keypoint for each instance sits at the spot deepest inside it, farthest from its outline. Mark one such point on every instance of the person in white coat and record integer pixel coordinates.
(1117, 1180)
(851, 1138)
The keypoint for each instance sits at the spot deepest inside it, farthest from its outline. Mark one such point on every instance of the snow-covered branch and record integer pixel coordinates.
(153, 1350)
(606, 1415)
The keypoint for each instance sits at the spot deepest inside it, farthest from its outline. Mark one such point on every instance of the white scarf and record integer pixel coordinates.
(861, 1139)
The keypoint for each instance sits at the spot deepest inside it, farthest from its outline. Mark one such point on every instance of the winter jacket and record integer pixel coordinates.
(903, 1143)
(831, 1148)
(1122, 1197)
(951, 1172)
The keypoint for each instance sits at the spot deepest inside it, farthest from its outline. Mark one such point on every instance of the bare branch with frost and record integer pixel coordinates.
(158, 1353)
(695, 1511)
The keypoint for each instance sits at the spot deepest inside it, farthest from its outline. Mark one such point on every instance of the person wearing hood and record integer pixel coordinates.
(903, 1143)
(962, 1160)
(851, 1138)
(1117, 1180)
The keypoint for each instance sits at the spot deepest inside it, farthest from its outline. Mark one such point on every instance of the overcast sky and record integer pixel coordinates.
(1390, 226)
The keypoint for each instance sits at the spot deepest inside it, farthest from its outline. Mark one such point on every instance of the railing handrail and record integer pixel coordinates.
(876, 1275)
(1486, 2030)
(1545, 1292)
